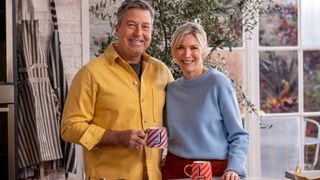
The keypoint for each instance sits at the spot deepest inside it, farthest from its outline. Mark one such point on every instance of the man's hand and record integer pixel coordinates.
(127, 138)
(132, 138)
(230, 175)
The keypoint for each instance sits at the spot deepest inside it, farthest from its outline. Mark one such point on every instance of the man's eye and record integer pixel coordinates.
(131, 25)
(146, 27)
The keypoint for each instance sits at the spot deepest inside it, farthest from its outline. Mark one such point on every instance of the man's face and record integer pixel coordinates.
(134, 33)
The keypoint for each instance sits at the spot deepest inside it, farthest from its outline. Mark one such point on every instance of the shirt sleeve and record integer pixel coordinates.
(79, 110)
(237, 137)
(170, 77)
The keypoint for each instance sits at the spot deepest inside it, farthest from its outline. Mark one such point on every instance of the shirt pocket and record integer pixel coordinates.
(158, 104)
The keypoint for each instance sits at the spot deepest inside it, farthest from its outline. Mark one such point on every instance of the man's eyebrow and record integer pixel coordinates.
(132, 21)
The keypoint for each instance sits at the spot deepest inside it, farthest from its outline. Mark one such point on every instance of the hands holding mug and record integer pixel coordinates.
(157, 137)
(154, 137)
(132, 138)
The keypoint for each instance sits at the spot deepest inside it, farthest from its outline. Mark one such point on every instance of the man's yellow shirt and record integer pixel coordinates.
(107, 94)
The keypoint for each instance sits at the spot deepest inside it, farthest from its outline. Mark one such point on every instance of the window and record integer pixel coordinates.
(287, 56)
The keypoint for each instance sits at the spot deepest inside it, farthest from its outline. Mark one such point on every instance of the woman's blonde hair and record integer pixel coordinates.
(194, 29)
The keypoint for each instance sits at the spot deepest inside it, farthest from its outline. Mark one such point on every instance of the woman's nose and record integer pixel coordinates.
(187, 52)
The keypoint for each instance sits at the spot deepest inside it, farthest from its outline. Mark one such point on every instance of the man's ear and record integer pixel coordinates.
(117, 29)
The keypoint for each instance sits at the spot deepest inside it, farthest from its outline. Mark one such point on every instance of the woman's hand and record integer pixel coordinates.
(230, 175)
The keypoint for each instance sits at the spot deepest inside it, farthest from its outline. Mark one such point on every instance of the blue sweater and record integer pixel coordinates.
(203, 120)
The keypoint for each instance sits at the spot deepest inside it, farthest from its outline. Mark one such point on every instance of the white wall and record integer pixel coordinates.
(98, 28)
(69, 20)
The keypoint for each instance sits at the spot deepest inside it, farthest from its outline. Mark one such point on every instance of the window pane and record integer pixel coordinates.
(280, 146)
(280, 29)
(311, 80)
(278, 81)
(312, 143)
(310, 21)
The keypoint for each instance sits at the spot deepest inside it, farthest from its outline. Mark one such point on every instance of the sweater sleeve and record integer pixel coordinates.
(237, 137)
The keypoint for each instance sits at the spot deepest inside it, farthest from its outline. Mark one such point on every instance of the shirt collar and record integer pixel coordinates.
(112, 55)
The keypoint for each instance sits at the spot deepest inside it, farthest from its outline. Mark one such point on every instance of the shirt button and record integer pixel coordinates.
(145, 121)
(135, 82)
(142, 100)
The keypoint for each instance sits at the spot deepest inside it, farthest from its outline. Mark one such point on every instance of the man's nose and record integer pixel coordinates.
(138, 31)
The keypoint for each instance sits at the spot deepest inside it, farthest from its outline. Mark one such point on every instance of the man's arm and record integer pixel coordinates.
(79, 111)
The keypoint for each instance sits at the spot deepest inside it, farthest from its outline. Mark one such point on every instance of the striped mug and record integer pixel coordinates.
(199, 170)
(157, 137)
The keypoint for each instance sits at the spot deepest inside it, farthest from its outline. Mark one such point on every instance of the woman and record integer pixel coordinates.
(203, 117)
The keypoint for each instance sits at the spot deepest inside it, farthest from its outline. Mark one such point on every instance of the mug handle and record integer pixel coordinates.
(185, 170)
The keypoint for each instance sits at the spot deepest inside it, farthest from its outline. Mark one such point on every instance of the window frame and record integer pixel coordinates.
(252, 85)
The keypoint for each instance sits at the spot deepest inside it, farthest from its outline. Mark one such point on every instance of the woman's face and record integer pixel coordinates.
(188, 55)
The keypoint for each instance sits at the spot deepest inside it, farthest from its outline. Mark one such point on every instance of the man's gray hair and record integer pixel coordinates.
(134, 4)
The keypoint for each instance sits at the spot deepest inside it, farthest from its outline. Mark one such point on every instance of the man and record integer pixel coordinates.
(115, 98)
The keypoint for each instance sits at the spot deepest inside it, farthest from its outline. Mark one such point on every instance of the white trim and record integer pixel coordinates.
(278, 48)
(252, 86)
(300, 83)
(309, 114)
(289, 48)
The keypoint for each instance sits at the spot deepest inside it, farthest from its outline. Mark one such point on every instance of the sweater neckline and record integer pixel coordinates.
(197, 80)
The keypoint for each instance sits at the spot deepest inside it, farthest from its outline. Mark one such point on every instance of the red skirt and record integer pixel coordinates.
(174, 166)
